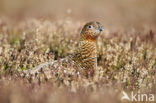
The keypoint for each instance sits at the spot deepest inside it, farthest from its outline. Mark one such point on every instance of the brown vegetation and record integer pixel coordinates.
(126, 50)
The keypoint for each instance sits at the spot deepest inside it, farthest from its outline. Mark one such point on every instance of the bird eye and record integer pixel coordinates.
(90, 26)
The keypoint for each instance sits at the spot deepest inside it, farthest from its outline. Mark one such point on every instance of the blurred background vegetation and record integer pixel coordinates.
(36, 31)
(112, 13)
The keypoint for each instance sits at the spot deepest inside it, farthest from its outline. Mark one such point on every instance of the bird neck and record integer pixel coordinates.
(88, 37)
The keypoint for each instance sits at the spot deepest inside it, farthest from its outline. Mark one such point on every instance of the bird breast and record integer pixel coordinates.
(85, 54)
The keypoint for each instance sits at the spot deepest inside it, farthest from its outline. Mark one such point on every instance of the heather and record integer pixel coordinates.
(126, 51)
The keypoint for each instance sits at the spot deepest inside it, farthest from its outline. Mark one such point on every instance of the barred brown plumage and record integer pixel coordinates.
(84, 57)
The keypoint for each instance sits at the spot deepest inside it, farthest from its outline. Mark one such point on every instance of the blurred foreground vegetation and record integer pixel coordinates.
(32, 33)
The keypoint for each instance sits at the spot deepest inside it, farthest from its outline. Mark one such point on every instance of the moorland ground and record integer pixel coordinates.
(32, 33)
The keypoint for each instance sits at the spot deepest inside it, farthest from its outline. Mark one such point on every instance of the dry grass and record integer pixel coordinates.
(126, 50)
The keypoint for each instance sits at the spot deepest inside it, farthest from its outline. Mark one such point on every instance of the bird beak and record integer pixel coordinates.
(101, 28)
